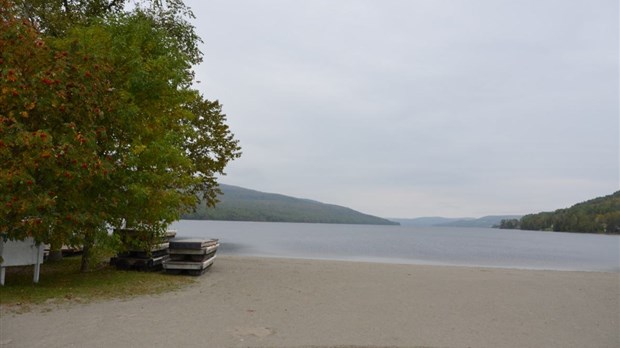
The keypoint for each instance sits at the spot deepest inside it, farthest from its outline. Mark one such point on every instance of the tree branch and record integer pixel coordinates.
(66, 5)
(112, 4)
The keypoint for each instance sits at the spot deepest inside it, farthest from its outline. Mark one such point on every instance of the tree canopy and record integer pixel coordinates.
(599, 215)
(99, 124)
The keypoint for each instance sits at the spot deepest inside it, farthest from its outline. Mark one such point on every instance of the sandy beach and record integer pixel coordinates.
(267, 302)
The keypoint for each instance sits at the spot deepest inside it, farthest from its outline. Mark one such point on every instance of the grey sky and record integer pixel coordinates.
(417, 108)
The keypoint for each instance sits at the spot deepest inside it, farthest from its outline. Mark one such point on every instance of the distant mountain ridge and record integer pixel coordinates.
(436, 221)
(427, 221)
(241, 204)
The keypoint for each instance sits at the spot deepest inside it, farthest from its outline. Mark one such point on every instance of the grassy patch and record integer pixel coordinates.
(62, 282)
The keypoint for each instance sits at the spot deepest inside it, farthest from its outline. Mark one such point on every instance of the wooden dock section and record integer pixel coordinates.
(193, 256)
(139, 258)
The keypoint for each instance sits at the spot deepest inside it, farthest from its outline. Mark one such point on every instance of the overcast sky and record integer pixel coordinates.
(418, 107)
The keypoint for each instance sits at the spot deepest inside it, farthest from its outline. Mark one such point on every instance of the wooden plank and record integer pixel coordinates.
(194, 251)
(191, 257)
(133, 262)
(191, 243)
(186, 265)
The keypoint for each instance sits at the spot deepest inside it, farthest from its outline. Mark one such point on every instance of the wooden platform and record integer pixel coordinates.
(139, 263)
(143, 251)
(187, 265)
(192, 243)
(192, 256)
(203, 251)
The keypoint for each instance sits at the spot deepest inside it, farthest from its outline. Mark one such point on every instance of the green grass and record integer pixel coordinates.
(62, 281)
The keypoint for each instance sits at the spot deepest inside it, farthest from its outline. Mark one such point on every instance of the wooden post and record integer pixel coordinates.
(37, 265)
(2, 270)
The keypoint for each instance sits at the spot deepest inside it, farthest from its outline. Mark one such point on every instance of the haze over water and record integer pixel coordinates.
(412, 245)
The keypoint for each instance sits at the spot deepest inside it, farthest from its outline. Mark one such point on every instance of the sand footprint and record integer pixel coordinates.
(259, 332)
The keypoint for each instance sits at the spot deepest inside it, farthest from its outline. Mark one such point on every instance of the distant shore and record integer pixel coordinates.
(268, 302)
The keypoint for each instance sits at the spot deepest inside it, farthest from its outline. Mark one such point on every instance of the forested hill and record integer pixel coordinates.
(599, 215)
(240, 204)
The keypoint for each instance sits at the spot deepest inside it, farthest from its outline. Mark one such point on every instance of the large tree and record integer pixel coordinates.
(99, 125)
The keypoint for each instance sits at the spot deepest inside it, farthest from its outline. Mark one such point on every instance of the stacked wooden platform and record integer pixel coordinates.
(190, 255)
(137, 256)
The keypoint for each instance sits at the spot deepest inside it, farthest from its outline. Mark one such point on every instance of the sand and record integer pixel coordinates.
(268, 302)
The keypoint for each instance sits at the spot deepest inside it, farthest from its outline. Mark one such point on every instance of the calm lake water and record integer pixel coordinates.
(412, 245)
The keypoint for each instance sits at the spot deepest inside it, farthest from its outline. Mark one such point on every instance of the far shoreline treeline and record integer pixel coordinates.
(241, 204)
(598, 215)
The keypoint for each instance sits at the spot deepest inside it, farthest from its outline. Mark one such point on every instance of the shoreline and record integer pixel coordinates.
(405, 262)
(278, 302)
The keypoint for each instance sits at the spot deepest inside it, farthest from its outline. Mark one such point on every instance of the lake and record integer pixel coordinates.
(453, 246)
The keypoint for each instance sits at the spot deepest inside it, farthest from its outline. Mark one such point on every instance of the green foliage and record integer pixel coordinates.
(105, 246)
(50, 106)
(599, 215)
(55, 17)
(99, 126)
(211, 145)
(239, 204)
(511, 224)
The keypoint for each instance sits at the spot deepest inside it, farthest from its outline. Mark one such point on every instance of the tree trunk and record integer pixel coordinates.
(86, 253)
(55, 252)
(85, 264)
